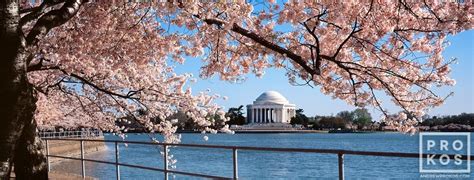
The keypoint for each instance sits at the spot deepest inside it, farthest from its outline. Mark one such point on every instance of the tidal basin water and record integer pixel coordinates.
(264, 164)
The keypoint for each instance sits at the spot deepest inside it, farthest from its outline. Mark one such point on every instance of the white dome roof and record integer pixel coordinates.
(271, 97)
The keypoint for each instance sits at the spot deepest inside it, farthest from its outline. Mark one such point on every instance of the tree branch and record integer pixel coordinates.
(36, 12)
(255, 37)
(53, 19)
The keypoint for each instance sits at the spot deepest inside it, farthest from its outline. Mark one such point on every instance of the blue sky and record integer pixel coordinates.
(315, 103)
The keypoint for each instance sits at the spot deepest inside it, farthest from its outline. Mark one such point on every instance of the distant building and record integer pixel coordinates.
(270, 107)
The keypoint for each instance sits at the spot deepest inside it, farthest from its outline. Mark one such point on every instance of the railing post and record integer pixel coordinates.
(82, 160)
(117, 167)
(340, 159)
(165, 161)
(235, 162)
(47, 155)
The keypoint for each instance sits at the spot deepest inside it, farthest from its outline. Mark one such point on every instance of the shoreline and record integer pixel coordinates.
(276, 131)
(270, 131)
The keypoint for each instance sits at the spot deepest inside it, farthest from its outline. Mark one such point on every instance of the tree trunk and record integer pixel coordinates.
(17, 101)
(29, 158)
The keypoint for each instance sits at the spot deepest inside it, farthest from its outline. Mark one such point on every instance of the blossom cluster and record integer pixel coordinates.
(114, 59)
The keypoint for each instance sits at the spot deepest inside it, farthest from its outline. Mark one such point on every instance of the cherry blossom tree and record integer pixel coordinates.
(79, 63)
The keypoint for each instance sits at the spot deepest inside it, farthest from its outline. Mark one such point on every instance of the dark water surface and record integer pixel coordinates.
(265, 165)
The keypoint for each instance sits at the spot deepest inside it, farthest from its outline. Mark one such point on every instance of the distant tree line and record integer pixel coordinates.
(361, 119)
(358, 119)
(463, 118)
(300, 118)
(454, 123)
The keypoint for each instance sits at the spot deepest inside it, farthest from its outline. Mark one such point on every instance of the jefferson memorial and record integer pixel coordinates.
(270, 107)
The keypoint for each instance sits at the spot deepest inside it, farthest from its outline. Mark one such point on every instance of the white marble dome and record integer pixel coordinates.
(270, 107)
(271, 97)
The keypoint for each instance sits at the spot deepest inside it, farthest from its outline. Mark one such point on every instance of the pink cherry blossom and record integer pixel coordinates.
(114, 59)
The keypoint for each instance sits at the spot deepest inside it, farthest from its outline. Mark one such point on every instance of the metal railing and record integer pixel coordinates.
(167, 171)
(70, 134)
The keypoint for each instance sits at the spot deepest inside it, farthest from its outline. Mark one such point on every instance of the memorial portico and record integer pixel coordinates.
(270, 107)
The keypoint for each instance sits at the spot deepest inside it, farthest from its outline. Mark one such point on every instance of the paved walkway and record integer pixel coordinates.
(61, 176)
